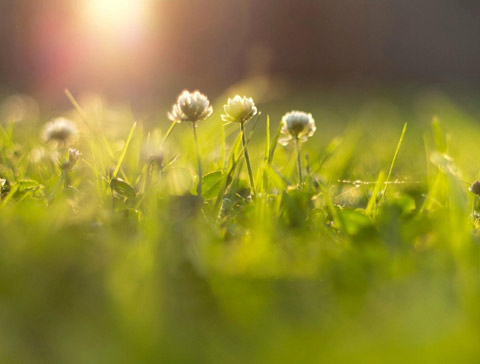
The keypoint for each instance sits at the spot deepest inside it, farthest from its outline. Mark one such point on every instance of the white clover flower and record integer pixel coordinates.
(37, 154)
(60, 130)
(73, 156)
(154, 156)
(297, 125)
(239, 109)
(4, 187)
(191, 106)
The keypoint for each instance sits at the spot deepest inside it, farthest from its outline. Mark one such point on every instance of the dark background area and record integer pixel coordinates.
(212, 44)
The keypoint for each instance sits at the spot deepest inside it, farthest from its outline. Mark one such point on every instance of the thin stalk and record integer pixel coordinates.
(473, 207)
(247, 160)
(224, 159)
(199, 162)
(299, 162)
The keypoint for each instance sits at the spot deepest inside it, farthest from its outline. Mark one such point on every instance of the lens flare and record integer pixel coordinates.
(115, 16)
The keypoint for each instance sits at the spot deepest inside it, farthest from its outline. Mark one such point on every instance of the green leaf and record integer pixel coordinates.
(27, 185)
(212, 184)
(354, 221)
(123, 188)
(228, 181)
(132, 213)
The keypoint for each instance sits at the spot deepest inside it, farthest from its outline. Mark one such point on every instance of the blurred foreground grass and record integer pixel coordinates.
(334, 272)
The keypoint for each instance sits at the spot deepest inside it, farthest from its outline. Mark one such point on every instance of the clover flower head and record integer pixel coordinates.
(73, 156)
(191, 106)
(239, 109)
(154, 156)
(60, 130)
(4, 187)
(297, 125)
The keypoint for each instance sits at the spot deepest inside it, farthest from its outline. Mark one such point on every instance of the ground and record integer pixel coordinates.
(374, 259)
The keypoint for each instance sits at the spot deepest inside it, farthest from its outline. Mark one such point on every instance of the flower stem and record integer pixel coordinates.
(299, 162)
(199, 162)
(247, 160)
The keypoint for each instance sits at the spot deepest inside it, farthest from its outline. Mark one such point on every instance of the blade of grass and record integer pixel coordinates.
(9, 196)
(331, 207)
(169, 131)
(78, 108)
(267, 141)
(234, 150)
(371, 208)
(124, 151)
(270, 147)
(274, 145)
(228, 181)
(267, 155)
(400, 141)
(224, 160)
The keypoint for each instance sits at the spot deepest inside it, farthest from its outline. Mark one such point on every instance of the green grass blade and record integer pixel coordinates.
(78, 108)
(267, 139)
(274, 145)
(224, 148)
(331, 207)
(371, 208)
(10, 195)
(400, 141)
(267, 154)
(169, 131)
(124, 151)
(228, 181)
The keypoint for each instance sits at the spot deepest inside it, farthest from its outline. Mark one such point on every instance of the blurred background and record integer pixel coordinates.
(146, 51)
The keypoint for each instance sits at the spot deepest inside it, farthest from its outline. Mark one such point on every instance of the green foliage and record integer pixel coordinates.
(117, 261)
(212, 184)
(122, 188)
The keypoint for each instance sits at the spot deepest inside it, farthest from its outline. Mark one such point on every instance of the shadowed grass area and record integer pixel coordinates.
(115, 259)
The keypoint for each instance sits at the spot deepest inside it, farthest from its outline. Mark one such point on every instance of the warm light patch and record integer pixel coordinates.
(117, 15)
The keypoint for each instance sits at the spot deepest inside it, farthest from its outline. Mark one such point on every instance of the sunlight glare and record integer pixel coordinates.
(114, 15)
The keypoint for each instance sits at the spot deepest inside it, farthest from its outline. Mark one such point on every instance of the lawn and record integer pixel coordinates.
(111, 256)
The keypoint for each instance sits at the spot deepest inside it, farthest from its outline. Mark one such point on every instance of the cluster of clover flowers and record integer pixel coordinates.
(297, 126)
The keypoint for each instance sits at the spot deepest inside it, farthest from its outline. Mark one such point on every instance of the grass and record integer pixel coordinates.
(375, 259)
